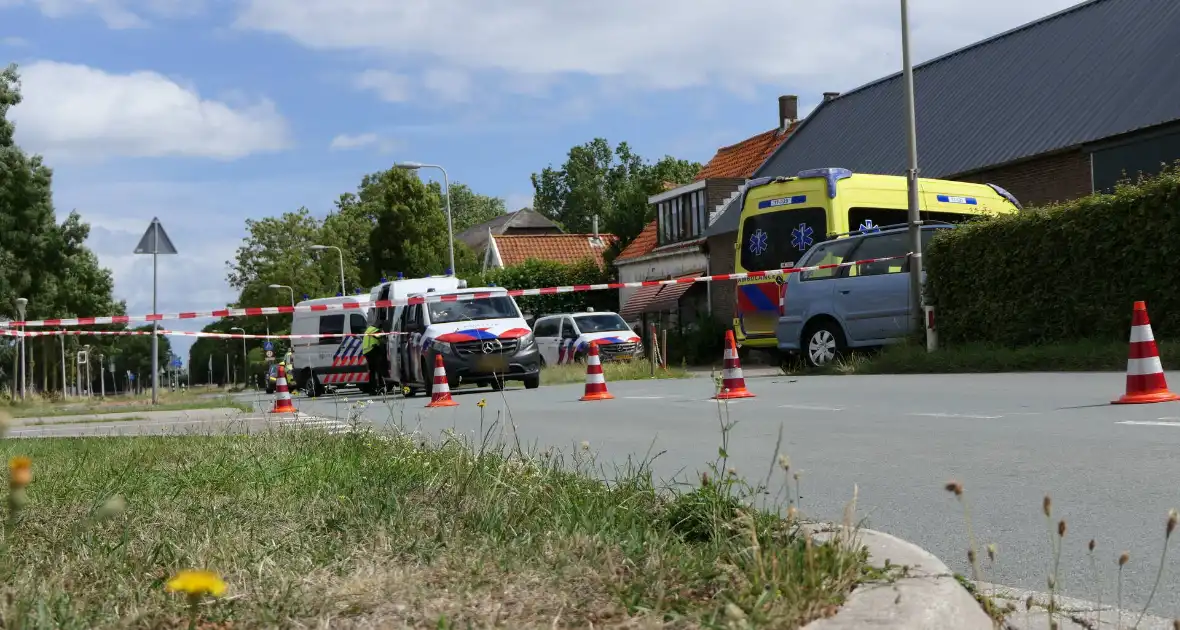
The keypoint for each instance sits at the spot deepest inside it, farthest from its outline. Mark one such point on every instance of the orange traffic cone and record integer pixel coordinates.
(282, 395)
(1145, 373)
(595, 380)
(440, 396)
(733, 384)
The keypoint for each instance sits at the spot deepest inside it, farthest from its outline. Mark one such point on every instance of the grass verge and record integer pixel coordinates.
(361, 530)
(631, 371)
(1082, 356)
(57, 408)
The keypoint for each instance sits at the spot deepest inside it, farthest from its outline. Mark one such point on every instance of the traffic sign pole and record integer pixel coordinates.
(155, 242)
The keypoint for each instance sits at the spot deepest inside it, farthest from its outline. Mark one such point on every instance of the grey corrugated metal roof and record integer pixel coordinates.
(1095, 70)
(476, 236)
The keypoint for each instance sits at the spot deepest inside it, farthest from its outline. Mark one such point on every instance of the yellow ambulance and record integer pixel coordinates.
(782, 217)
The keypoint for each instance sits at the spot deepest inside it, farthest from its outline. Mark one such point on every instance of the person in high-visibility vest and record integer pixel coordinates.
(374, 352)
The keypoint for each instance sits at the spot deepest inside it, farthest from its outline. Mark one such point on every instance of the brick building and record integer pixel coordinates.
(674, 245)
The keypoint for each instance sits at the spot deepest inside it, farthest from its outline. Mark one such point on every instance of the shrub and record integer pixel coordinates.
(1062, 273)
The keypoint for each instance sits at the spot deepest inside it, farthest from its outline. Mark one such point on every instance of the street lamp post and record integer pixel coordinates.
(283, 286)
(915, 216)
(101, 375)
(21, 303)
(317, 248)
(245, 363)
(413, 166)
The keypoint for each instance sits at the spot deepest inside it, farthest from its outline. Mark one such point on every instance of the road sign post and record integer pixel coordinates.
(155, 242)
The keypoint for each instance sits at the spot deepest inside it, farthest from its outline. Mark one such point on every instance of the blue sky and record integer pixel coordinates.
(208, 112)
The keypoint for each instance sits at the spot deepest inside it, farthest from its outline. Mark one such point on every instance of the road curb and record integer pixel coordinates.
(925, 597)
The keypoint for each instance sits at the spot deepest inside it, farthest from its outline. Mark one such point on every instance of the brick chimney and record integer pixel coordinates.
(830, 96)
(788, 111)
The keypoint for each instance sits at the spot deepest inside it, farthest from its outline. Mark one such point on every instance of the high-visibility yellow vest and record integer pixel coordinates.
(370, 339)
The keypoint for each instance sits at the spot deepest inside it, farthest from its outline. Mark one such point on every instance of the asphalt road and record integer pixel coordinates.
(1010, 438)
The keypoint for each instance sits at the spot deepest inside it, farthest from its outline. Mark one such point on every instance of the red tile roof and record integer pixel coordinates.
(642, 245)
(742, 159)
(564, 248)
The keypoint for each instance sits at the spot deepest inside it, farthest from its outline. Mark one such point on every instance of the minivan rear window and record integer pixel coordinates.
(830, 253)
(773, 239)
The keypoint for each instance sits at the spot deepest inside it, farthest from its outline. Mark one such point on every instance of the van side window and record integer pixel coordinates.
(331, 325)
(883, 246)
(546, 328)
(414, 317)
(567, 329)
(357, 323)
(830, 253)
(869, 218)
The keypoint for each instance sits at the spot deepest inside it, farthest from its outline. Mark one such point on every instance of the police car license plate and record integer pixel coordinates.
(621, 357)
(492, 363)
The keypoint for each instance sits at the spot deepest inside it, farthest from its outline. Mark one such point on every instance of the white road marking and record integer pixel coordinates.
(1150, 423)
(811, 408)
(956, 415)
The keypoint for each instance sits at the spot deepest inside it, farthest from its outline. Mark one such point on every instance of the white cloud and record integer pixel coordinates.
(448, 84)
(351, 142)
(14, 42)
(72, 110)
(390, 87)
(654, 44)
(344, 141)
(117, 14)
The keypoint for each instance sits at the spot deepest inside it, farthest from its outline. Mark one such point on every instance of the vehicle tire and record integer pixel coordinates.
(427, 381)
(497, 384)
(532, 382)
(822, 343)
(311, 384)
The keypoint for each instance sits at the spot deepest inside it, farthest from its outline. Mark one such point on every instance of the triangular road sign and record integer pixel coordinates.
(154, 238)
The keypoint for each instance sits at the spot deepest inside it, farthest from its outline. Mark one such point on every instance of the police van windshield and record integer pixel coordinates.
(605, 322)
(495, 307)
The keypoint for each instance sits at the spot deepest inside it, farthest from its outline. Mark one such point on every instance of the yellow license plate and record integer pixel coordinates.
(622, 357)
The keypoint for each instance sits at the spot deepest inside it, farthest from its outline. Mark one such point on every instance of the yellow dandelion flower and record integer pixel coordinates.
(194, 583)
(481, 403)
(20, 471)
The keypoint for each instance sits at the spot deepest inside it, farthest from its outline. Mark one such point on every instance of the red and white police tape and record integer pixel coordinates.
(180, 333)
(363, 302)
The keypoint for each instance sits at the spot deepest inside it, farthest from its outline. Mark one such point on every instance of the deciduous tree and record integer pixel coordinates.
(611, 183)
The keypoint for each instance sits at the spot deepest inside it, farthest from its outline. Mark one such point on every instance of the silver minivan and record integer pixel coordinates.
(826, 312)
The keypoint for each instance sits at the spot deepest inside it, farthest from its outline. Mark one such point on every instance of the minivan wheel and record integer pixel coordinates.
(822, 344)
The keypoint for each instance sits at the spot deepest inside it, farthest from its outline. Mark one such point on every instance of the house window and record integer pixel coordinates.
(682, 218)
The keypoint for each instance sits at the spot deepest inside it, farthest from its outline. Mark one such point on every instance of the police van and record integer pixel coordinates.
(399, 290)
(332, 361)
(483, 341)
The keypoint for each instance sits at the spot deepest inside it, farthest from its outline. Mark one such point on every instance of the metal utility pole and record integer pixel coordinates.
(915, 208)
(65, 387)
(21, 303)
(245, 362)
(102, 375)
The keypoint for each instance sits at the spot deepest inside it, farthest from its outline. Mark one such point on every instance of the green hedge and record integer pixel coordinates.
(533, 274)
(1062, 273)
